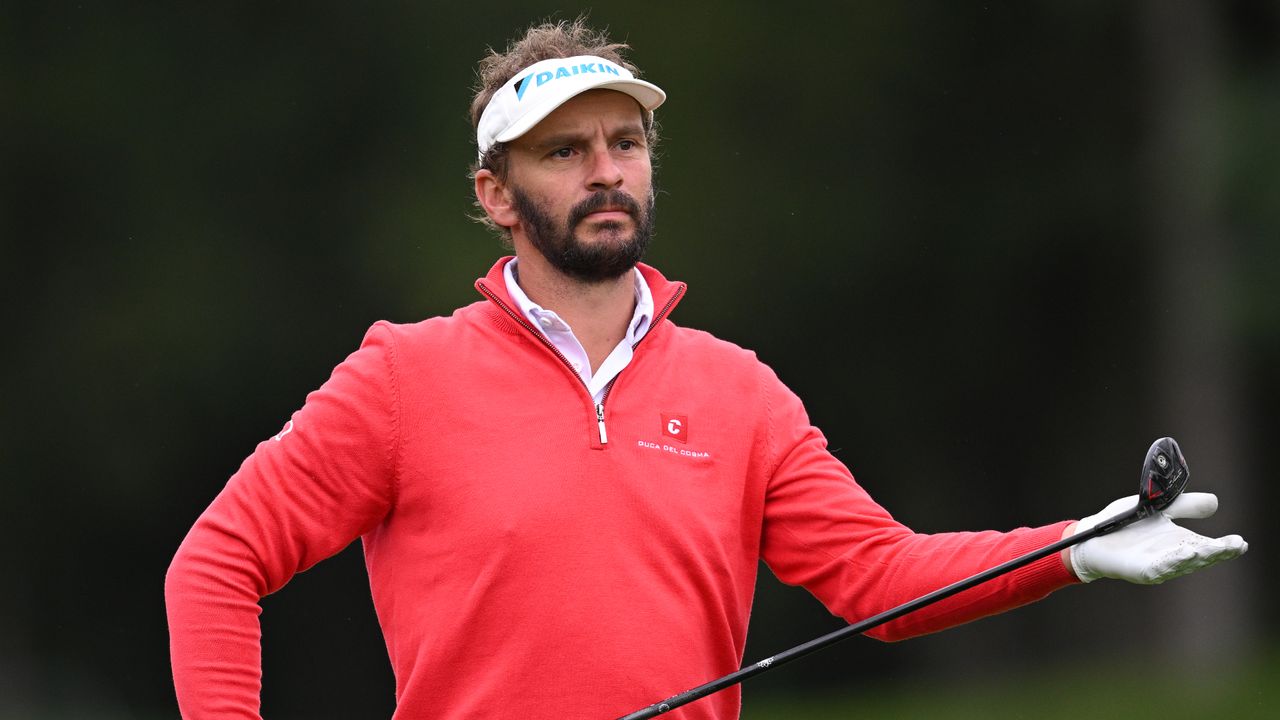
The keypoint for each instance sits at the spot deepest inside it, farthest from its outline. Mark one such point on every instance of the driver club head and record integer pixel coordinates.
(1164, 475)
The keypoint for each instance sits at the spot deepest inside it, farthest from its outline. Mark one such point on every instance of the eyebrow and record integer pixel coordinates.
(573, 138)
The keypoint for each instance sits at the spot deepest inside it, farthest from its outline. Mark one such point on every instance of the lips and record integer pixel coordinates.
(609, 214)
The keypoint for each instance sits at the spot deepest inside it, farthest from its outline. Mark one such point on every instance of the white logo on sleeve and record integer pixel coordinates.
(288, 428)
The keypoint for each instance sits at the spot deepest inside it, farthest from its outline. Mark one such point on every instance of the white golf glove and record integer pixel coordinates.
(1153, 549)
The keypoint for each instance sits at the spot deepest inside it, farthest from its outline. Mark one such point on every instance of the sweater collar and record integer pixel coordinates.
(666, 293)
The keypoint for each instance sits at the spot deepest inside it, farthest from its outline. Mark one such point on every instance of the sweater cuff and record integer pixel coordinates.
(1048, 573)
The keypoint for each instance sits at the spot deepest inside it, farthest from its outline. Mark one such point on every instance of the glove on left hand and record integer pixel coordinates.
(1154, 549)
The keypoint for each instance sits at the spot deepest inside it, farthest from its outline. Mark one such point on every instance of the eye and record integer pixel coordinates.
(625, 145)
(563, 153)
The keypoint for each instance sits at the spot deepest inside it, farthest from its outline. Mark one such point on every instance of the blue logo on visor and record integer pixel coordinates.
(563, 71)
(521, 85)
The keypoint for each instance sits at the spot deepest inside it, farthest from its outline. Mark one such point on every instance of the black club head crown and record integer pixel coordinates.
(1164, 475)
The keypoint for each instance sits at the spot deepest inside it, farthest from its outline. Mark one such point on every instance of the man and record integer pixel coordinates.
(563, 496)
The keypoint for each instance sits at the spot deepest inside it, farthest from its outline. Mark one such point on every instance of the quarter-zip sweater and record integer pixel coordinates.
(534, 554)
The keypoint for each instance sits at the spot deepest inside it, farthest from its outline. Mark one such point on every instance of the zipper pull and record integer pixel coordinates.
(604, 437)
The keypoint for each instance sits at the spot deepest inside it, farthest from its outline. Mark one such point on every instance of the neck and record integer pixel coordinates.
(598, 312)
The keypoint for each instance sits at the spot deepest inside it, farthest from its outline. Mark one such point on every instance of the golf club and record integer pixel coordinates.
(1164, 475)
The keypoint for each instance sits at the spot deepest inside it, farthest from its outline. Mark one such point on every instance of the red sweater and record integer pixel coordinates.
(521, 567)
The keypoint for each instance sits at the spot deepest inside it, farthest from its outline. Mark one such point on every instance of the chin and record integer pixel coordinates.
(608, 229)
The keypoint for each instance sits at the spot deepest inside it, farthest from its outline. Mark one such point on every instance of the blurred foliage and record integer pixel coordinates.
(928, 217)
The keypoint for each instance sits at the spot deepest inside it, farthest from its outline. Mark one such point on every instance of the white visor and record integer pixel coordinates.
(533, 93)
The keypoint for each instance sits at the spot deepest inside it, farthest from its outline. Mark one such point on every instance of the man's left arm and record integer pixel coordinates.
(823, 531)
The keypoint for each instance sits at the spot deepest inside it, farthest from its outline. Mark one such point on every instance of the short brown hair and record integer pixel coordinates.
(544, 41)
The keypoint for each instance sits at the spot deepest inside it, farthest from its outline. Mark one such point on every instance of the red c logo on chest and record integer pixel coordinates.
(675, 426)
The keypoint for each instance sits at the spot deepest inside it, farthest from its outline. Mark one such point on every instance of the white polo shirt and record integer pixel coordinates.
(559, 334)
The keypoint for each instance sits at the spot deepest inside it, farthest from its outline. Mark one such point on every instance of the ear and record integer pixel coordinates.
(496, 199)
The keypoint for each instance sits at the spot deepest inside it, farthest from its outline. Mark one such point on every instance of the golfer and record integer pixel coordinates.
(563, 495)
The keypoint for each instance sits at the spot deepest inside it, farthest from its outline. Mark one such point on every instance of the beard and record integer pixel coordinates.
(591, 263)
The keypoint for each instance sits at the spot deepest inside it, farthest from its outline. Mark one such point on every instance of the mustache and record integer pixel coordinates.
(603, 199)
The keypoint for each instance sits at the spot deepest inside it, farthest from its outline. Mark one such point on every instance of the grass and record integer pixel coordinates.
(1092, 693)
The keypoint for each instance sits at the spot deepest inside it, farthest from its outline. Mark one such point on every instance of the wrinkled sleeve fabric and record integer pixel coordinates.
(824, 532)
(302, 496)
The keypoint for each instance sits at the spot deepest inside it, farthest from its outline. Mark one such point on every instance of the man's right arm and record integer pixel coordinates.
(326, 479)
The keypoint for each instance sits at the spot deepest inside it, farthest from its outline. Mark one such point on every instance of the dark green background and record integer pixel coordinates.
(998, 247)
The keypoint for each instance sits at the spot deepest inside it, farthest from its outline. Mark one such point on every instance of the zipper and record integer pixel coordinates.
(529, 326)
(657, 318)
(604, 436)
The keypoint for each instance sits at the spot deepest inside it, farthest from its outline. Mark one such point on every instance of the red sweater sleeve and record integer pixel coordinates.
(299, 498)
(824, 531)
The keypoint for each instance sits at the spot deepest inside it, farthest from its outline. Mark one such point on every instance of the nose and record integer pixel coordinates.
(604, 172)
